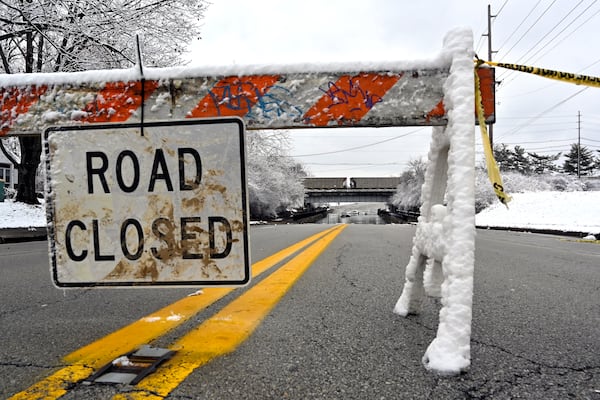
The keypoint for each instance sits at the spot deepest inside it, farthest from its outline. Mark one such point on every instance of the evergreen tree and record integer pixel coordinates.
(585, 157)
(541, 164)
(520, 161)
(503, 156)
(515, 160)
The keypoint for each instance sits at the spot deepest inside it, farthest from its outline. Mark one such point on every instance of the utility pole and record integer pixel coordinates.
(579, 144)
(490, 52)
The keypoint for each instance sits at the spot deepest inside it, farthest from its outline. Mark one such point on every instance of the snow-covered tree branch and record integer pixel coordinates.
(274, 179)
(77, 35)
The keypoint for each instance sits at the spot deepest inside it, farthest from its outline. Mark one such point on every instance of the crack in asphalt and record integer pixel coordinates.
(76, 296)
(17, 364)
(535, 362)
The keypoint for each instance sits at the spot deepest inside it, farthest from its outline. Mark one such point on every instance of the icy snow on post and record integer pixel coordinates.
(444, 244)
(437, 92)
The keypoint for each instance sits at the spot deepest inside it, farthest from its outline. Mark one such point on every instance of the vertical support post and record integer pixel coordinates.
(579, 144)
(142, 80)
(490, 52)
(445, 234)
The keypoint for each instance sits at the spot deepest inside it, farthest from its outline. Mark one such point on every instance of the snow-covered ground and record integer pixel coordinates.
(566, 211)
(20, 215)
(561, 211)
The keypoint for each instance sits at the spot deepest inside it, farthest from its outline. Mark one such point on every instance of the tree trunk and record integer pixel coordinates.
(31, 147)
(31, 150)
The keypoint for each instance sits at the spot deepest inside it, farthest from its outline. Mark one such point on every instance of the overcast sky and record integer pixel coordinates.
(536, 113)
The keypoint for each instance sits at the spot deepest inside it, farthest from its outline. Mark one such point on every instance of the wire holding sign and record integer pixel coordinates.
(167, 209)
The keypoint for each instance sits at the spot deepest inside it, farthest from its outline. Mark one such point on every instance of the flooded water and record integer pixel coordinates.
(354, 213)
(353, 219)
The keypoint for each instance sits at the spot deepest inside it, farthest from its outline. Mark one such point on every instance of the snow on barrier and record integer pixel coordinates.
(437, 92)
(266, 97)
(442, 257)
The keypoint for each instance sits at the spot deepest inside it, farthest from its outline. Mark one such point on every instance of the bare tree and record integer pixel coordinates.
(77, 35)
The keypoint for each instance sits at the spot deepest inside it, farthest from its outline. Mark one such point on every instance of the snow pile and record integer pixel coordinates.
(561, 211)
(21, 215)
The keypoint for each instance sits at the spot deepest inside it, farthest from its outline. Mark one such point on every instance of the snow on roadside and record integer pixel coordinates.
(561, 211)
(20, 215)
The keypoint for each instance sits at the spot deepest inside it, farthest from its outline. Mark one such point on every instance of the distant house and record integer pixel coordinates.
(8, 174)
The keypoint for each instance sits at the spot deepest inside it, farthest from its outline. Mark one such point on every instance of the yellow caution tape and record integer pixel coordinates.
(490, 162)
(548, 73)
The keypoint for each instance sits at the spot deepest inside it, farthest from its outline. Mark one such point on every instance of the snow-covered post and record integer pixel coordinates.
(445, 239)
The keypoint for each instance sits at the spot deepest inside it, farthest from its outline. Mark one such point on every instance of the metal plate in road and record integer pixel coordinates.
(162, 205)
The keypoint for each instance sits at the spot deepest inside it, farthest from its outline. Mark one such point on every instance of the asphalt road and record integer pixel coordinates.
(332, 335)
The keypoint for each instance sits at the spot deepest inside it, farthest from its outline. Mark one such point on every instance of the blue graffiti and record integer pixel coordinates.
(342, 96)
(273, 104)
(249, 99)
(234, 97)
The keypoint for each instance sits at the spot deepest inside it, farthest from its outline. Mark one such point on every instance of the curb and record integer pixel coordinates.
(533, 230)
(12, 235)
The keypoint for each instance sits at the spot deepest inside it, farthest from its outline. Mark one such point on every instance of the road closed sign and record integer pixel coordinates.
(163, 205)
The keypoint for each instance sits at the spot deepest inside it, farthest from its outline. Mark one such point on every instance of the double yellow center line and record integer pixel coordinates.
(218, 335)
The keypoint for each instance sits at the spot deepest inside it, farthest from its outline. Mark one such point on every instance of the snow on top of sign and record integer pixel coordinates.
(133, 73)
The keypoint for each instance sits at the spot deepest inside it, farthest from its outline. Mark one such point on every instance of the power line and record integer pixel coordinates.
(358, 164)
(558, 34)
(540, 141)
(545, 112)
(505, 75)
(552, 84)
(501, 8)
(573, 31)
(359, 147)
(550, 116)
(531, 27)
(520, 24)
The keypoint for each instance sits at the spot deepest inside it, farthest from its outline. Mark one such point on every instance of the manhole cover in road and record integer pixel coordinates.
(131, 368)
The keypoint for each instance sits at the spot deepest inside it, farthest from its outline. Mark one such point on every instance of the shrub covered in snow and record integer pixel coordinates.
(408, 193)
(274, 179)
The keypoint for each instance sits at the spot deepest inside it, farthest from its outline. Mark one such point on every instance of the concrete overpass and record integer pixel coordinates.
(328, 190)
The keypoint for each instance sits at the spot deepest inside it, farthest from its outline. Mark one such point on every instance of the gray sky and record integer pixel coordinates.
(536, 113)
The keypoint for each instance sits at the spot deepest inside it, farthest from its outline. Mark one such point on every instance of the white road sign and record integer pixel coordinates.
(162, 205)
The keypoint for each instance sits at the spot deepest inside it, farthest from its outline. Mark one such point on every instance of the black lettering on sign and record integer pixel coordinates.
(100, 171)
(159, 161)
(97, 255)
(225, 226)
(136, 171)
(68, 243)
(140, 239)
(185, 235)
(127, 170)
(195, 182)
(157, 224)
